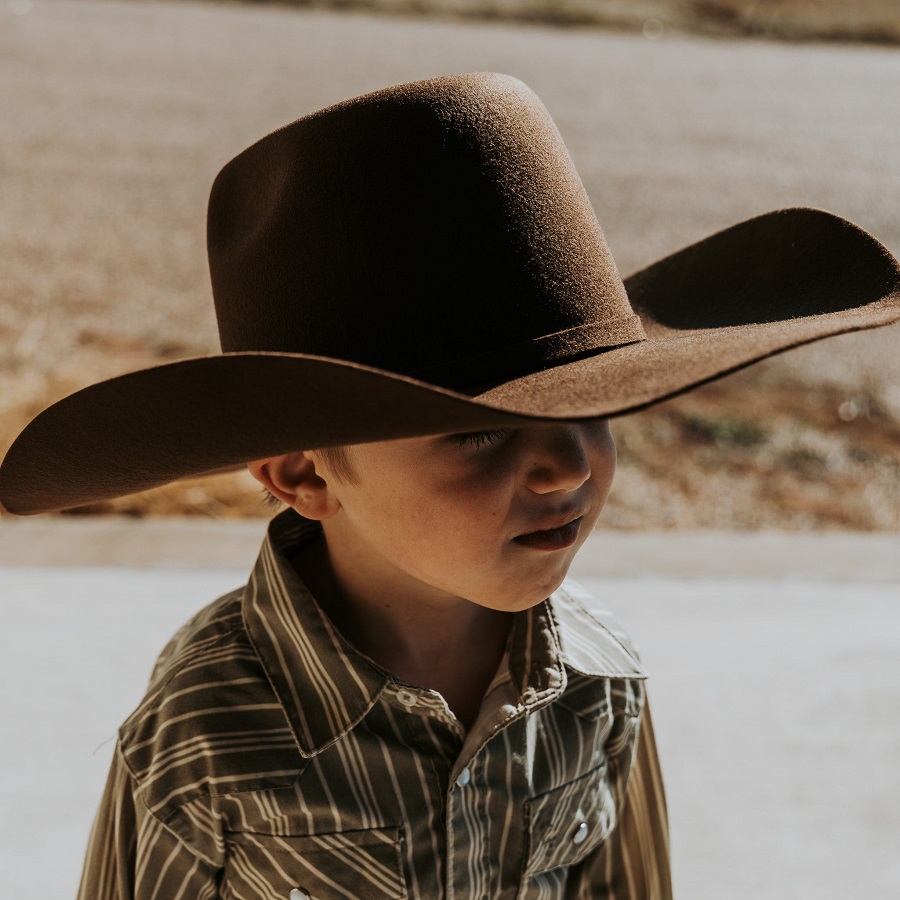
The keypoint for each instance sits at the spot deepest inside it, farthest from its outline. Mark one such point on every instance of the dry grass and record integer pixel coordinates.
(749, 454)
(869, 21)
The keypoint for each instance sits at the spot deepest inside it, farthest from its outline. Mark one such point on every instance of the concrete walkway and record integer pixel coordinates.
(207, 543)
(775, 683)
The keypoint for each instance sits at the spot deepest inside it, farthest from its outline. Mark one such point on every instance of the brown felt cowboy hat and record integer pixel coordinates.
(424, 259)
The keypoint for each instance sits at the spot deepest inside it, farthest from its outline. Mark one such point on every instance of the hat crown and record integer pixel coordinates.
(436, 229)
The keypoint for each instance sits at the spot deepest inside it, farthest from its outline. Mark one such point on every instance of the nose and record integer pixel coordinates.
(560, 459)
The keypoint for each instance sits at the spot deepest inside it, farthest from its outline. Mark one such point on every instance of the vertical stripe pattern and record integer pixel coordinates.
(268, 755)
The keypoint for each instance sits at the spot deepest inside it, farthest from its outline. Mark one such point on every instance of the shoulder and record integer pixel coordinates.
(208, 717)
(215, 622)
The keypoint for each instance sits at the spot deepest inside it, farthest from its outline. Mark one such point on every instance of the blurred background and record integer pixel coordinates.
(682, 118)
(774, 658)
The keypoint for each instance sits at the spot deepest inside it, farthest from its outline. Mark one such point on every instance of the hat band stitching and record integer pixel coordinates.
(524, 357)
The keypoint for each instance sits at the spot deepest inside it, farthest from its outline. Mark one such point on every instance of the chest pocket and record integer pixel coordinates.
(349, 864)
(564, 826)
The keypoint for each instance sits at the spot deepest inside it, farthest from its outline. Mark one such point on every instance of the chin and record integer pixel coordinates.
(536, 593)
(549, 584)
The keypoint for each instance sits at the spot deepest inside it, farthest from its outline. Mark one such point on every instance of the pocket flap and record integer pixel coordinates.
(346, 864)
(567, 823)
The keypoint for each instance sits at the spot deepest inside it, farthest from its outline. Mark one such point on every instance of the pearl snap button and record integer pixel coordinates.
(297, 894)
(464, 777)
(407, 698)
(581, 832)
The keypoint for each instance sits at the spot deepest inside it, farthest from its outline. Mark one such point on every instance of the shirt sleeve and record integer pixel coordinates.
(131, 855)
(634, 863)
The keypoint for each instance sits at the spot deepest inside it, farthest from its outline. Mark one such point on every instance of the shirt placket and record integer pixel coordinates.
(468, 872)
(437, 737)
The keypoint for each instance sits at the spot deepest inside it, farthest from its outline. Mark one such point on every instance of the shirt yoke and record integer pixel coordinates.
(210, 725)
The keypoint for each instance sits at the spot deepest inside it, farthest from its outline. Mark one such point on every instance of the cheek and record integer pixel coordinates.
(458, 517)
(456, 527)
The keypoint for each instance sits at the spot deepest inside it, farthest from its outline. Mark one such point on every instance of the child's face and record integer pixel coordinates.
(445, 515)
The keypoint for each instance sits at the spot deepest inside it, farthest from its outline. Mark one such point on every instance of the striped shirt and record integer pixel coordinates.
(271, 760)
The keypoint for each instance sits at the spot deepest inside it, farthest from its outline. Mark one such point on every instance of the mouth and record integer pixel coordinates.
(554, 538)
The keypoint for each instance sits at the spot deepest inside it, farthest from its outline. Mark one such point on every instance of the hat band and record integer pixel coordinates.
(525, 357)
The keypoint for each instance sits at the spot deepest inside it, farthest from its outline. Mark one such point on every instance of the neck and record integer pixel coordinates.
(422, 635)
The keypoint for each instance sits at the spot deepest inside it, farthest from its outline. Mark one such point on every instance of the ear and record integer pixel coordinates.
(293, 479)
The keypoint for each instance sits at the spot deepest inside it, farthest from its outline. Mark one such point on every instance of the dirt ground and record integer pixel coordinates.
(118, 115)
(870, 21)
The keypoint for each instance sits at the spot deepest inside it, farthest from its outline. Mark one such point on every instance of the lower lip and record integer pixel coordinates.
(555, 539)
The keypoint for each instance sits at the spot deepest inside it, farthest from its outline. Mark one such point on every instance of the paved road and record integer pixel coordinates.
(102, 102)
(215, 543)
(777, 705)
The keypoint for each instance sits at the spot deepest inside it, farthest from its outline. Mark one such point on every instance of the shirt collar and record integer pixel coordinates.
(323, 683)
(592, 642)
(326, 686)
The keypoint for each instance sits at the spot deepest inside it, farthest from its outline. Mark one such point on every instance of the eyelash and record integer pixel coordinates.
(478, 438)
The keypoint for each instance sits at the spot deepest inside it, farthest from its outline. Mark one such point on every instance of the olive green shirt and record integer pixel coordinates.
(271, 760)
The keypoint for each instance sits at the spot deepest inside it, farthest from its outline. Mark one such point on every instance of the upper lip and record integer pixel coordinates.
(552, 522)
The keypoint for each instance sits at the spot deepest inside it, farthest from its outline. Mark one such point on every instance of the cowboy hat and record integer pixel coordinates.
(422, 260)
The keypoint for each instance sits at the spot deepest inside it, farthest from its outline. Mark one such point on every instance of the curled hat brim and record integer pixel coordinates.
(763, 286)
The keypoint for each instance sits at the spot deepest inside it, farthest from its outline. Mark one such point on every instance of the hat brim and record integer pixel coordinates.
(774, 282)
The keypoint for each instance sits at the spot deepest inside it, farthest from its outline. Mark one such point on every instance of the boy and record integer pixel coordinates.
(406, 700)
